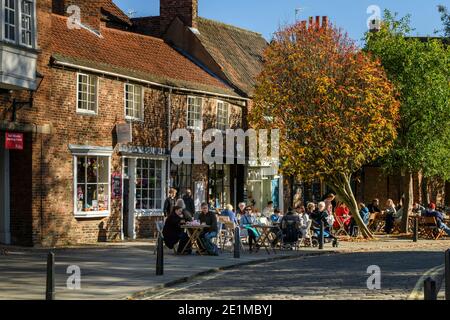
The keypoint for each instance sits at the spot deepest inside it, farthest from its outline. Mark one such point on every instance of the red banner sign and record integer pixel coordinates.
(14, 141)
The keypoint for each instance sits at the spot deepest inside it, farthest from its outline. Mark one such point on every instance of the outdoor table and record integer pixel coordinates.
(194, 233)
(264, 240)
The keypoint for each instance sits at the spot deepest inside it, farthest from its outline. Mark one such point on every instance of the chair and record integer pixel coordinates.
(431, 229)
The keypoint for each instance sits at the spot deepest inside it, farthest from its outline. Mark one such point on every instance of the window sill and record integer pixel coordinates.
(86, 113)
(92, 215)
(134, 120)
(148, 213)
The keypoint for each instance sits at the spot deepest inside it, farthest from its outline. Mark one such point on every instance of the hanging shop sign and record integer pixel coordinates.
(124, 133)
(13, 141)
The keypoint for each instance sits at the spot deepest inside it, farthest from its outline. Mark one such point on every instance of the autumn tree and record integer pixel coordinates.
(420, 71)
(334, 106)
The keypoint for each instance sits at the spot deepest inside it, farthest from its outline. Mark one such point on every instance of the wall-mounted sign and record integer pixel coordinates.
(13, 141)
(124, 133)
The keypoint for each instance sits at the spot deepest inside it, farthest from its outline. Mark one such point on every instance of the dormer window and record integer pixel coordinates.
(19, 19)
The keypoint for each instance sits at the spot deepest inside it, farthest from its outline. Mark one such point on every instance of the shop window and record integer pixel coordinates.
(181, 178)
(93, 184)
(149, 184)
(219, 186)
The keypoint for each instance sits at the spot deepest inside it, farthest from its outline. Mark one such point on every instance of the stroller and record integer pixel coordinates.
(290, 236)
(328, 237)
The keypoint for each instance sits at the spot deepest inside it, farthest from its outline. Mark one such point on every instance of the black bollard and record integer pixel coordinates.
(50, 287)
(430, 289)
(416, 230)
(160, 257)
(321, 238)
(447, 275)
(237, 243)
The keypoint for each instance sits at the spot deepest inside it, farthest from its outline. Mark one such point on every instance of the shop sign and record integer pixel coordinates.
(124, 133)
(13, 141)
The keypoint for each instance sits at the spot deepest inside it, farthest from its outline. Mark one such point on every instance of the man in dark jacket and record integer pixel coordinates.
(440, 219)
(189, 202)
(173, 233)
(170, 202)
(210, 219)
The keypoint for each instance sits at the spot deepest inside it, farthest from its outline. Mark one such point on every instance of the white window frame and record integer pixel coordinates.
(90, 153)
(155, 210)
(225, 105)
(18, 24)
(31, 24)
(132, 118)
(188, 113)
(84, 111)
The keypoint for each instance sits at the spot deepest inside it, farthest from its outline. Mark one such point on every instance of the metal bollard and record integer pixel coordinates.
(416, 230)
(160, 257)
(321, 238)
(447, 275)
(430, 289)
(50, 287)
(237, 243)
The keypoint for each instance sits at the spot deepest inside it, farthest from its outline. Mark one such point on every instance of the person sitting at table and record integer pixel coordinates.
(173, 233)
(440, 218)
(209, 218)
(343, 215)
(240, 211)
(319, 216)
(186, 214)
(310, 209)
(419, 209)
(269, 210)
(390, 216)
(248, 220)
(276, 216)
(228, 212)
(364, 213)
(304, 220)
(374, 207)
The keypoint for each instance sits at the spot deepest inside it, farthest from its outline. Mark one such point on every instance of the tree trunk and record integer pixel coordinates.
(342, 186)
(408, 188)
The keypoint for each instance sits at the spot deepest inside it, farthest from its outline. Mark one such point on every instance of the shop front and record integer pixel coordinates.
(144, 189)
(264, 185)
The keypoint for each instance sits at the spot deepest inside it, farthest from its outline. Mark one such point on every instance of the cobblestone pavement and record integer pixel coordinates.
(341, 277)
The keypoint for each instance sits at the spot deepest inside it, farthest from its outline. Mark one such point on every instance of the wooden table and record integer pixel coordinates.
(264, 240)
(194, 233)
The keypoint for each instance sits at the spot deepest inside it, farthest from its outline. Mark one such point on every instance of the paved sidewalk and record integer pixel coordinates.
(107, 272)
(120, 271)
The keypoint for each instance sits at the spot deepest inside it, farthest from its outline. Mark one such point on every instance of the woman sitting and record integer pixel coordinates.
(173, 233)
(343, 216)
(248, 220)
(390, 213)
(228, 212)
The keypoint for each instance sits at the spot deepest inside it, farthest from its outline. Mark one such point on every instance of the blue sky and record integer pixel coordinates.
(264, 16)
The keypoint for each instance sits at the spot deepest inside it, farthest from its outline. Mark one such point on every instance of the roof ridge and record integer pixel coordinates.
(230, 26)
(116, 30)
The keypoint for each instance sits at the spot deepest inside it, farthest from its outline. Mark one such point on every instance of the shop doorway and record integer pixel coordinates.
(5, 228)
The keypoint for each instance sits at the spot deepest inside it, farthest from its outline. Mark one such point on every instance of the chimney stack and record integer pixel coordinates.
(186, 10)
(315, 23)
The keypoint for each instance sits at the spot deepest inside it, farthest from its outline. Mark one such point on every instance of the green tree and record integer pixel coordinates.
(420, 70)
(334, 106)
(445, 18)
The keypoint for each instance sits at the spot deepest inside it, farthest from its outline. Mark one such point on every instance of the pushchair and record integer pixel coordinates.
(327, 236)
(290, 235)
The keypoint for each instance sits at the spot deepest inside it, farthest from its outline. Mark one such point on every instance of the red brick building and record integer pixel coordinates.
(76, 181)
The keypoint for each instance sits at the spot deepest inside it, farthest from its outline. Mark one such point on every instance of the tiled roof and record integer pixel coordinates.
(239, 52)
(132, 55)
(115, 12)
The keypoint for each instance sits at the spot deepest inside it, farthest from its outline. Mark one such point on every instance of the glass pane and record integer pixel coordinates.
(103, 197)
(92, 199)
(81, 169)
(103, 170)
(92, 167)
(80, 197)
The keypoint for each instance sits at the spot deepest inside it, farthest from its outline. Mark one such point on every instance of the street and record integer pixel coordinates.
(330, 277)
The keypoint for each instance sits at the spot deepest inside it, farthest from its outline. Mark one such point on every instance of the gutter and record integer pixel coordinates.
(117, 75)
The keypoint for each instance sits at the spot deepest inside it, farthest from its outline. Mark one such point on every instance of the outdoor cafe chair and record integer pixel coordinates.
(340, 230)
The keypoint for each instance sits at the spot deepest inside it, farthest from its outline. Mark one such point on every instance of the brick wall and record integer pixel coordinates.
(187, 10)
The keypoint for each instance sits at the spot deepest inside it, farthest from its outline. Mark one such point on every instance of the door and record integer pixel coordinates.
(5, 231)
